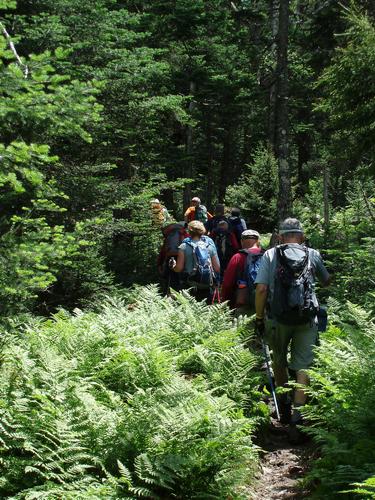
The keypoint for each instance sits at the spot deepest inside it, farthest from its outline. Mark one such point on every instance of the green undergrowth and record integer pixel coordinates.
(342, 406)
(149, 397)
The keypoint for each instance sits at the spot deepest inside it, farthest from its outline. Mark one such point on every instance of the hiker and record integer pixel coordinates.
(225, 242)
(237, 223)
(197, 211)
(285, 297)
(211, 224)
(197, 259)
(239, 278)
(159, 213)
(173, 234)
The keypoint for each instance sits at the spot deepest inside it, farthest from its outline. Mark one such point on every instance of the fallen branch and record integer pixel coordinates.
(24, 67)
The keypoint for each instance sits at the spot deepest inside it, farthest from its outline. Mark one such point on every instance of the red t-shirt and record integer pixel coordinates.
(234, 269)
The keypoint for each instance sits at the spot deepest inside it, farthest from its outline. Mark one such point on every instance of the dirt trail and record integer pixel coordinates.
(282, 466)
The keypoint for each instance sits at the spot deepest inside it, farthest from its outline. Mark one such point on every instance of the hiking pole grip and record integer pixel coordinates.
(273, 392)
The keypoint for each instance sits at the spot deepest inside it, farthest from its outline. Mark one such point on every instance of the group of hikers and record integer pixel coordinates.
(218, 258)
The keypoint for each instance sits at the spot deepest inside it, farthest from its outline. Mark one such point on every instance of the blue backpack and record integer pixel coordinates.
(246, 281)
(203, 275)
(235, 225)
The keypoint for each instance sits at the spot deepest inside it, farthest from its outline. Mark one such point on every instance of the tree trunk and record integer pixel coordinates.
(303, 142)
(326, 200)
(246, 149)
(210, 172)
(282, 141)
(189, 170)
(274, 18)
(226, 164)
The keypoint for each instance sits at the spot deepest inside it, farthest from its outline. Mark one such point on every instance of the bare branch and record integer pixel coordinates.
(24, 67)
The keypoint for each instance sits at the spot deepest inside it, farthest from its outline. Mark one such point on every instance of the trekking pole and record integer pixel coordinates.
(216, 295)
(267, 358)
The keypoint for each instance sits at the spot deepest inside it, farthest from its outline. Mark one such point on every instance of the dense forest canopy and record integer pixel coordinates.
(123, 101)
(268, 105)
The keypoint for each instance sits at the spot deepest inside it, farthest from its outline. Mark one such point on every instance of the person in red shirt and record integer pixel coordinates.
(235, 269)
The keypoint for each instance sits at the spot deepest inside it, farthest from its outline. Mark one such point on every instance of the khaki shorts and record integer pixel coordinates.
(301, 338)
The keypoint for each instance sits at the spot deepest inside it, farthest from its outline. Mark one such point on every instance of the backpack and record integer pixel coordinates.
(294, 301)
(201, 213)
(212, 225)
(157, 213)
(173, 238)
(224, 247)
(203, 275)
(235, 225)
(245, 294)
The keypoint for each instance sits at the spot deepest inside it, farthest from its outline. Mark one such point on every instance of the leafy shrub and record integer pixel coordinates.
(98, 405)
(342, 410)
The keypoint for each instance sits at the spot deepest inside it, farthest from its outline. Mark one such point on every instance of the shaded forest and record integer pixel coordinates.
(268, 105)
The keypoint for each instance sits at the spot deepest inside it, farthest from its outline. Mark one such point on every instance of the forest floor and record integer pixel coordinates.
(282, 467)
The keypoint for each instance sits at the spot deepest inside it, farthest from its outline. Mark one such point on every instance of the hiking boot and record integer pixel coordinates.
(296, 435)
(285, 409)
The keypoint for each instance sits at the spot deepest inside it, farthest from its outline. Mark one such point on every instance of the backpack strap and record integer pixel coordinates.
(188, 241)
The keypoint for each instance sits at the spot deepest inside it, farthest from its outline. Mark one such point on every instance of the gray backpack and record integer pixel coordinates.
(294, 301)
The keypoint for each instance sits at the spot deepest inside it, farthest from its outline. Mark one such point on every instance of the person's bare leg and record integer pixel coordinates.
(300, 394)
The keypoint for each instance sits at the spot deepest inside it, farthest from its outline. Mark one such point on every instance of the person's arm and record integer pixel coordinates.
(180, 264)
(209, 216)
(229, 281)
(321, 270)
(243, 224)
(215, 263)
(260, 300)
(187, 216)
(263, 280)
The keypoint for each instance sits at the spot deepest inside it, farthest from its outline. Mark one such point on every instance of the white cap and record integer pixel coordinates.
(250, 233)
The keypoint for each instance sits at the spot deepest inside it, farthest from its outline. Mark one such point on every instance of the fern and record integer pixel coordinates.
(342, 409)
(109, 404)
